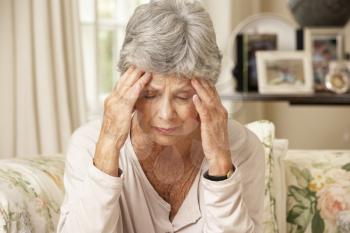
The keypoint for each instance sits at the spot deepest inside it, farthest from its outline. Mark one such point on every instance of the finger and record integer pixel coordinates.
(213, 87)
(133, 78)
(209, 87)
(137, 88)
(127, 73)
(129, 81)
(214, 95)
(201, 109)
(201, 91)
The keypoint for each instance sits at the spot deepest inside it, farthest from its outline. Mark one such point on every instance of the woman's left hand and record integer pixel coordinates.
(214, 132)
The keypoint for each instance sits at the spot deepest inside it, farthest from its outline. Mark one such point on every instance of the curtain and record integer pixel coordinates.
(41, 76)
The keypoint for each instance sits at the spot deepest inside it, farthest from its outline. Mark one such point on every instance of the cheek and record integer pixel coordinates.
(145, 111)
(190, 119)
(188, 112)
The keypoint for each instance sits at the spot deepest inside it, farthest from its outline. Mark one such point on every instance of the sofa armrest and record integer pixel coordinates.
(278, 187)
(265, 131)
(31, 192)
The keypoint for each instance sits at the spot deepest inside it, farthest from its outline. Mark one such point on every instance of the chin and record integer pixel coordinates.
(172, 138)
(166, 140)
(165, 143)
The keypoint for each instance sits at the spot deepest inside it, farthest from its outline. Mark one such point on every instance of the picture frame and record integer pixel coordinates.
(246, 70)
(284, 72)
(324, 45)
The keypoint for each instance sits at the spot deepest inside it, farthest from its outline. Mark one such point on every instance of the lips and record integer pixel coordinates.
(165, 130)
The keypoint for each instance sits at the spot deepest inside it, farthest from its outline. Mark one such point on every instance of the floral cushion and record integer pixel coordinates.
(265, 131)
(31, 192)
(318, 185)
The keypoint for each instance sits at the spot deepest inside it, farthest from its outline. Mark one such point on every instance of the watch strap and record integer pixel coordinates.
(219, 178)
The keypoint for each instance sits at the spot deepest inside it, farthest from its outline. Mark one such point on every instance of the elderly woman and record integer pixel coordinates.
(165, 157)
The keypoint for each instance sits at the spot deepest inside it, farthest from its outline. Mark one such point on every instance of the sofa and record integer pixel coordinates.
(305, 191)
(31, 192)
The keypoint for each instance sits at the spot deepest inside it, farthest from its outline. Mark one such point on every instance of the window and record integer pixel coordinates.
(103, 25)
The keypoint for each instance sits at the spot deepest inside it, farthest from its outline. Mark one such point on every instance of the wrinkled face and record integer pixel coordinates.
(165, 110)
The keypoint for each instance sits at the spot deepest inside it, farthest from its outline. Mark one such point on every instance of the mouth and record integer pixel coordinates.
(166, 130)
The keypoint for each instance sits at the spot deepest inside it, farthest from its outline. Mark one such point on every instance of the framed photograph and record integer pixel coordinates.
(324, 45)
(338, 78)
(284, 72)
(246, 70)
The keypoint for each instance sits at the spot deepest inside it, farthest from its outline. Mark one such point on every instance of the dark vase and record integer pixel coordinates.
(320, 13)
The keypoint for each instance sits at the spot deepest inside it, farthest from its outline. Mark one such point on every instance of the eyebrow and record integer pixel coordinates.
(183, 88)
(176, 92)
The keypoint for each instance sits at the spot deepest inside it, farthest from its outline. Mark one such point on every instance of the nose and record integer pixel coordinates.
(166, 111)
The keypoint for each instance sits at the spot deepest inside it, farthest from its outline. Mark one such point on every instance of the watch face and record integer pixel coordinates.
(338, 82)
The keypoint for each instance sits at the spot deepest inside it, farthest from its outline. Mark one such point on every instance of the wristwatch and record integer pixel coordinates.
(219, 178)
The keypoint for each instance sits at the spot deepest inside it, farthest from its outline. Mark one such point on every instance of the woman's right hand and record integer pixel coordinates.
(118, 109)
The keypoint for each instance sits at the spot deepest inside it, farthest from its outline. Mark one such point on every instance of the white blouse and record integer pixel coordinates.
(99, 203)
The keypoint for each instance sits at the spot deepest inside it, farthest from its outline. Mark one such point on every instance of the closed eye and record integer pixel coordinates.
(149, 96)
(183, 97)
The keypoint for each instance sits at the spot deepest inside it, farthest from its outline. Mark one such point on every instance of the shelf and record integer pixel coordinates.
(300, 99)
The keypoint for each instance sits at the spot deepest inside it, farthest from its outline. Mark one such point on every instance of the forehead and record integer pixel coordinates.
(160, 81)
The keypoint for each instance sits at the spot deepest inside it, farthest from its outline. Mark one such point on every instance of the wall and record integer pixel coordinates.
(309, 127)
(306, 127)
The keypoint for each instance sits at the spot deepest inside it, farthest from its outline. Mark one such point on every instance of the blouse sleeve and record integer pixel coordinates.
(91, 202)
(235, 205)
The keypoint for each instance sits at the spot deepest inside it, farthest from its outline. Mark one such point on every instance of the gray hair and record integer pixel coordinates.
(172, 37)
